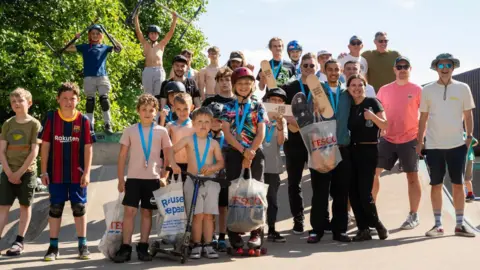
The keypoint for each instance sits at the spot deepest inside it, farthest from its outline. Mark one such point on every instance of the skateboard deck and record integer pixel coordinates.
(302, 110)
(321, 100)
(267, 71)
(285, 110)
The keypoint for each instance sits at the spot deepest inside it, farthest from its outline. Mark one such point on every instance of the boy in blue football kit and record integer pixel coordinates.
(66, 159)
(95, 73)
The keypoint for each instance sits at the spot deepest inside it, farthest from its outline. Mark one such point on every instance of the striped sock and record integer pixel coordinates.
(438, 218)
(82, 241)
(459, 214)
(54, 242)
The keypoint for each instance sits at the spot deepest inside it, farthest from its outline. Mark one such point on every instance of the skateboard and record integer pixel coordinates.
(302, 110)
(267, 71)
(246, 251)
(285, 110)
(321, 100)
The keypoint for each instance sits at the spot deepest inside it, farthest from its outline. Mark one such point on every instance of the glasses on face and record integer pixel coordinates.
(308, 65)
(382, 41)
(442, 66)
(356, 43)
(400, 67)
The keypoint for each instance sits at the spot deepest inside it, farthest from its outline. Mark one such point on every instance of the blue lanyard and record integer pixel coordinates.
(169, 115)
(189, 75)
(146, 149)
(303, 90)
(276, 70)
(182, 124)
(201, 162)
(222, 139)
(330, 94)
(246, 109)
(270, 130)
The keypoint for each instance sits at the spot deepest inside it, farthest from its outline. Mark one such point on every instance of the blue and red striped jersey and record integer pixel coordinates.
(67, 138)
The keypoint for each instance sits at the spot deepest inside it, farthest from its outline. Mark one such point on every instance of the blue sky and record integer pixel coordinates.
(418, 29)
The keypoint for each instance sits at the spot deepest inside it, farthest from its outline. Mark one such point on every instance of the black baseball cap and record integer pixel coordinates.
(180, 58)
(235, 56)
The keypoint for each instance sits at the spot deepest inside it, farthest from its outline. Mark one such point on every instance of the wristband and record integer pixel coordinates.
(43, 174)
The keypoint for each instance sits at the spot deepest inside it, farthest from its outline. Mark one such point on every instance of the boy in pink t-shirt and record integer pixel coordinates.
(145, 174)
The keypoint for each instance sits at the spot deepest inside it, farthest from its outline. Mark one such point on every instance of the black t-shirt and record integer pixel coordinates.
(216, 98)
(356, 122)
(190, 86)
(286, 72)
(291, 89)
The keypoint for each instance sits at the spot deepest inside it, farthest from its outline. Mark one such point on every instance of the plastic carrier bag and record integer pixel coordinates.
(113, 237)
(320, 138)
(171, 219)
(247, 204)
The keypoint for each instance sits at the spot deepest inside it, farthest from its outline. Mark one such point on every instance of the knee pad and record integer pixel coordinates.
(90, 106)
(56, 210)
(104, 103)
(78, 209)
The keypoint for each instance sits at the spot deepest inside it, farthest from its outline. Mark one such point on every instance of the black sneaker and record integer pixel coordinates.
(362, 235)
(108, 128)
(382, 231)
(52, 254)
(124, 254)
(83, 253)
(276, 237)
(313, 237)
(298, 227)
(16, 249)
(342, 237)
(142, 252)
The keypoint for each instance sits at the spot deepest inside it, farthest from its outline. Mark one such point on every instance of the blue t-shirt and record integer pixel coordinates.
(94, 59)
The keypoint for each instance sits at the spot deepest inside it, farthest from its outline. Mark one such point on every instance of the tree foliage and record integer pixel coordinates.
(26, 61)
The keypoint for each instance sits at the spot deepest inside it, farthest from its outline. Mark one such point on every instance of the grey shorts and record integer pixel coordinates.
(389, 153)
(207, 199)
(92, 84)
(152, 78)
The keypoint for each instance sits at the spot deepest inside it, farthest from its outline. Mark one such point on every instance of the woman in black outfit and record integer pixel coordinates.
(367, 118)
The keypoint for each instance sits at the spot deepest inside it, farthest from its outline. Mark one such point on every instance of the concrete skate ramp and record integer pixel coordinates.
(402, 250)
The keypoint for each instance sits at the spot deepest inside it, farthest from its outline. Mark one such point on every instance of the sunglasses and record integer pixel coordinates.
(308, 65)
(382, 41)
(400, 67)
(358, 43)
(442, 66)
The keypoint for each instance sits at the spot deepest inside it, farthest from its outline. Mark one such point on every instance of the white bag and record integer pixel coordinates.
(113, 237)
(171, 219)
(320, 139)
(247, 204)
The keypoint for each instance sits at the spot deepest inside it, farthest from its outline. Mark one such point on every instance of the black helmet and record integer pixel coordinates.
(153, 29)
(216, 109)
(277, 92)
(175, 87)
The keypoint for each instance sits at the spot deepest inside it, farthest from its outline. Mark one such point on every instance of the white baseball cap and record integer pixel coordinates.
(322, 52)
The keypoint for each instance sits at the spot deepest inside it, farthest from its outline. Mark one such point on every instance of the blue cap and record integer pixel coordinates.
(402, 58)
(355, 37)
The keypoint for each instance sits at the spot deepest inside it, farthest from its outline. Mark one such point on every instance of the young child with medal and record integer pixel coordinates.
(182, 127)
(145, 174)
(244, 129)
(275, 135)
(204, 159)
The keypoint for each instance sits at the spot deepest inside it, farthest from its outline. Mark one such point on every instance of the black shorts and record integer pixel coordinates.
(439, 159)
(389, 153)
(141, 191)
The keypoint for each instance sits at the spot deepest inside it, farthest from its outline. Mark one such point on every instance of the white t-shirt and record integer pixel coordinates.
(370, 91)
(445, 116)
(321, 76)
(349, 57)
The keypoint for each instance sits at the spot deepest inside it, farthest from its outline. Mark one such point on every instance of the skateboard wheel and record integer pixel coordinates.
(258, 252)
(239, 251)
(251, 252)
(263, 251)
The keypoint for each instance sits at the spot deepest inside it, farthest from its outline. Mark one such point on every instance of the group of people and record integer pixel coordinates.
(209, 123)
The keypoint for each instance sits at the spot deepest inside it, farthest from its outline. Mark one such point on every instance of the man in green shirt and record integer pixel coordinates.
(380, 61)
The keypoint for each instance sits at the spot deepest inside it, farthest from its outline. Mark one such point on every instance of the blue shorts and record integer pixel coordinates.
(60, 193)
(439, 159)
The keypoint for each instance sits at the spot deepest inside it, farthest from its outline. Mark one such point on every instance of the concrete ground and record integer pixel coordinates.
(402, 250)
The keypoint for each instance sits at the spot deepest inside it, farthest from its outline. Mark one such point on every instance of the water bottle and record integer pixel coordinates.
(369, 123)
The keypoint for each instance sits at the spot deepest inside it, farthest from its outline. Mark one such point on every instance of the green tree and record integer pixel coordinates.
(26, 61)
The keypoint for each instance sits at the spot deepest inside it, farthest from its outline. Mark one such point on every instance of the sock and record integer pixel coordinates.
(459, 214)
(221, 236)
(82, 241)
(19, 239)
(438, 217)
(54, 242)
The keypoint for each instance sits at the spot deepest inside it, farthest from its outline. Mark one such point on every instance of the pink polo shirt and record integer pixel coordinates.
(401, 103)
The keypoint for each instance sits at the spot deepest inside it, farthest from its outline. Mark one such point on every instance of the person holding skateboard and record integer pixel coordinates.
(445, 104)
(95, 72)
(153, 74)
(282, 70)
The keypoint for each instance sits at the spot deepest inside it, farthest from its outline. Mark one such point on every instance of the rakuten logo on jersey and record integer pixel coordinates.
(64, 139)
(319, 143)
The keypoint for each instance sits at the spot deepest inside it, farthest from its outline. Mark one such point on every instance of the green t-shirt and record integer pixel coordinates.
(380, 67)
(20, 138)
(470, 153)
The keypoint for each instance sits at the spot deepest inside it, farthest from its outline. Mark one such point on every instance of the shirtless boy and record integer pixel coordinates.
(153, 75)
(206, 76)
